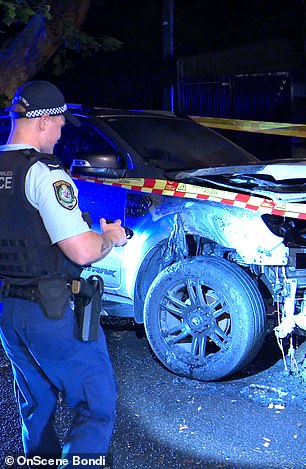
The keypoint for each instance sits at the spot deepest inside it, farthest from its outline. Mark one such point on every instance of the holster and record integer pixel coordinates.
(53, 295)
(87, 307)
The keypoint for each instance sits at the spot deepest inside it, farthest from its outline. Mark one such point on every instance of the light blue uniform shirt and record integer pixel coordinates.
(44, 188)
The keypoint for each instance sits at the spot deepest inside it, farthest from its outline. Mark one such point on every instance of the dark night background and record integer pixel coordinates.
(199, 26)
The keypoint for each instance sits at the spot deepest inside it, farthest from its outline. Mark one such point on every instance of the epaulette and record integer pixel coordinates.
(49, 160)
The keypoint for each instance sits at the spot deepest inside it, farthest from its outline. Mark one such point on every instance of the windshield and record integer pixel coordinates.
(174, 143)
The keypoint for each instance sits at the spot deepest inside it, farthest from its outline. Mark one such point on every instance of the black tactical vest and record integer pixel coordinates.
(26, 251)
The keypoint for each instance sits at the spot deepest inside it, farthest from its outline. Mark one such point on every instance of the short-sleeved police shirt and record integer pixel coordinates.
(55, 196)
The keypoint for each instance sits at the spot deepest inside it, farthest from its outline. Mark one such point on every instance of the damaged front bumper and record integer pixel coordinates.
(289, 293)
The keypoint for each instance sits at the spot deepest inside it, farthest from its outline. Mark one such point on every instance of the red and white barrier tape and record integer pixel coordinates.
(189, 191)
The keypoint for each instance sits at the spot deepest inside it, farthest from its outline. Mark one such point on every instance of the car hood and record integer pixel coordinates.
(280, 180)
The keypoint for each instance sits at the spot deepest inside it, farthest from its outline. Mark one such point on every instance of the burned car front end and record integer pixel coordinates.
(262, 219)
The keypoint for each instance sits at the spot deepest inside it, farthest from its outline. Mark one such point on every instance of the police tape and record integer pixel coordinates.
(273, 128)
(190, 191)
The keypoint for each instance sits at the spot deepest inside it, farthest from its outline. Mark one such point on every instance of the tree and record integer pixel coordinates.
(34, 31)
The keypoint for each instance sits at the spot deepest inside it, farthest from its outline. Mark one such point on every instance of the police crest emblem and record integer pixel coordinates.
(65, 194)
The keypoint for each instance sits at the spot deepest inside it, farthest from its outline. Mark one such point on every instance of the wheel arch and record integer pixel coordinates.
(158, 236)
(149, 269)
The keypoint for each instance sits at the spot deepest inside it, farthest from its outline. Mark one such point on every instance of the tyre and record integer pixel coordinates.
(204, 318)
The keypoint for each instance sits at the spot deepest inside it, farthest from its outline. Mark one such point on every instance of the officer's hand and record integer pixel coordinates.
(115, 230)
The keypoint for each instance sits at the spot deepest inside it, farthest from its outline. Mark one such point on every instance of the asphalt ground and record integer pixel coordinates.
(254, 419)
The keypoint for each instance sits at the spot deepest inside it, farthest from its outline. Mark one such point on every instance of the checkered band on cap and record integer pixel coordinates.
(51, 111)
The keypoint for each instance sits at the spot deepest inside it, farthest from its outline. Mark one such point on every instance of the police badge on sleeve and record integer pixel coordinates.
(65, 194)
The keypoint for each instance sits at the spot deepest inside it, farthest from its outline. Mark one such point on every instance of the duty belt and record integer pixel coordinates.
(51, 293)
(9, 290)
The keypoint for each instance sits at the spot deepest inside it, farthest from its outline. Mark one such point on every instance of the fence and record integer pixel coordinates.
(250, 96)
(260, 96)
(267, 96)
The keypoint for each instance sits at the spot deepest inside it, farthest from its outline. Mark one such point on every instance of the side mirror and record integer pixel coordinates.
(105, 166)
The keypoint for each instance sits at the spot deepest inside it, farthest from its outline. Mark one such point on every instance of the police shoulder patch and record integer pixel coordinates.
(65, 194)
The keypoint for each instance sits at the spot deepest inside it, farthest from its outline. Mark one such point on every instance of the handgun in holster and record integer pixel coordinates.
(87, 307)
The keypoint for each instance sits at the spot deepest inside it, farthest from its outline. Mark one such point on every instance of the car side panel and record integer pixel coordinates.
(108, 202)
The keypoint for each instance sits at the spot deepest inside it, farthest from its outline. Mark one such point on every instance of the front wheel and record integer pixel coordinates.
(204, 318)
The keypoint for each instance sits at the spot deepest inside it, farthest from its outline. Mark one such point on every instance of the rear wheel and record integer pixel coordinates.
(204, 318)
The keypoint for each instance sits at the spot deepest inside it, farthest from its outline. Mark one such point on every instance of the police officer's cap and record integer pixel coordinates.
(39, 98)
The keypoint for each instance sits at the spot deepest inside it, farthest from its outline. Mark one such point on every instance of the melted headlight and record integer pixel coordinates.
(291, 229)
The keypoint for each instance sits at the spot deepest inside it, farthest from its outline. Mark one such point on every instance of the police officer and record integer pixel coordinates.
(44, 241)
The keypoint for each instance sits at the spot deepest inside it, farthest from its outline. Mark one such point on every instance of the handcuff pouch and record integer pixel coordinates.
(53, 296)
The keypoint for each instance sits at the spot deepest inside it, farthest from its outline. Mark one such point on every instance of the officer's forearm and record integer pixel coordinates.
(88, 247)
(107, 243)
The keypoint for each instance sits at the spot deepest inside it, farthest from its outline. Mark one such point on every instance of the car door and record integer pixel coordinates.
(96, 199)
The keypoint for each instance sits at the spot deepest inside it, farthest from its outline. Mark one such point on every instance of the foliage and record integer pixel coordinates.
(16, 14)
(80, 43)
(22, 11)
